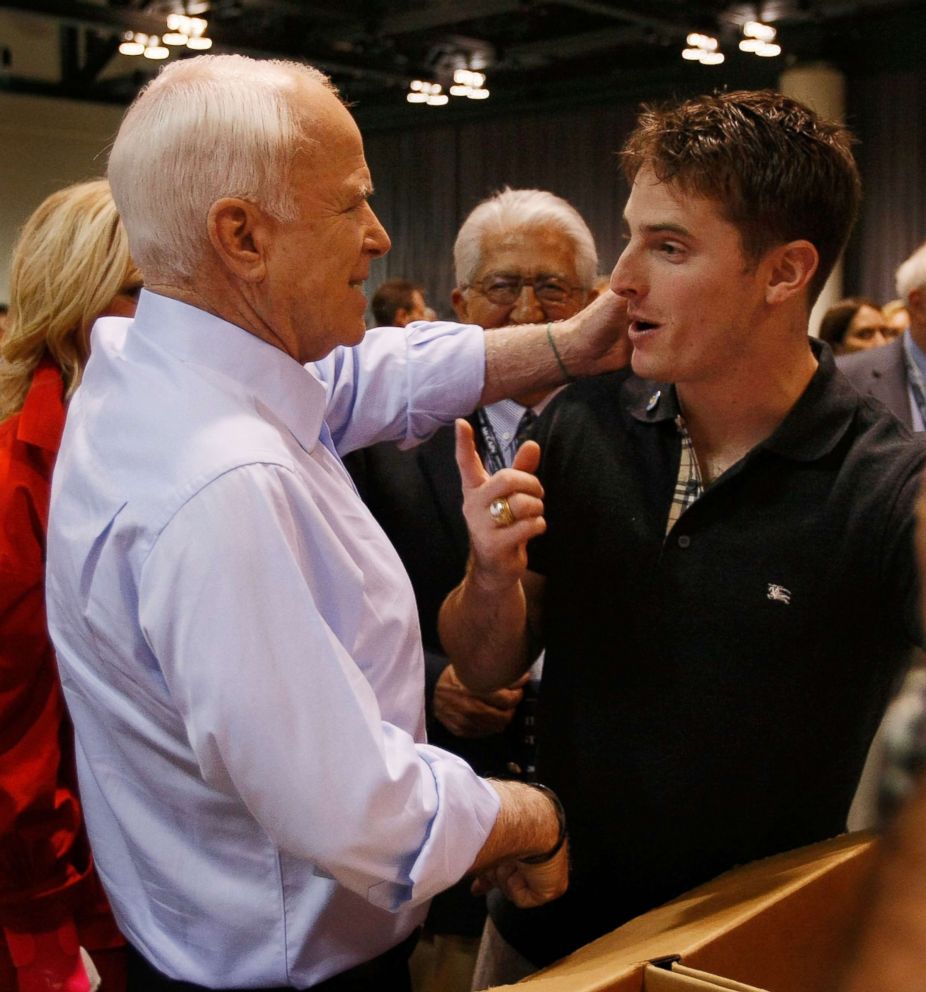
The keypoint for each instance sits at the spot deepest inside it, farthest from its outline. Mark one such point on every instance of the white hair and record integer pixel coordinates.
(205, 128)
(912, 274)
(515, 209)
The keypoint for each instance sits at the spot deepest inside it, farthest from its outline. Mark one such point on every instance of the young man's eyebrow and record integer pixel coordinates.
(665, 228)
(659, 228)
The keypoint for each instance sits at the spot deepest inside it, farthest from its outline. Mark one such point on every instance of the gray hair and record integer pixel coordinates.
(911, 274)
(205, 128)
(514, 209)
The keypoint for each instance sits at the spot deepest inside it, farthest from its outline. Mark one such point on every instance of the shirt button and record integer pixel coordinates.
(684, 541)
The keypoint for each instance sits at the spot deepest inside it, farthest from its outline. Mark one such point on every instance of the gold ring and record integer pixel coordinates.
(500, 512)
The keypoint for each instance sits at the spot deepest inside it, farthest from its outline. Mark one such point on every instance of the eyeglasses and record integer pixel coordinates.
(504, 289)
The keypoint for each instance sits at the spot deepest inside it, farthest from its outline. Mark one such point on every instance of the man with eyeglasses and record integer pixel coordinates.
(522, 256)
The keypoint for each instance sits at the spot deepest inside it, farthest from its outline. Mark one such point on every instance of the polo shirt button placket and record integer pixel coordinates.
(684, 541)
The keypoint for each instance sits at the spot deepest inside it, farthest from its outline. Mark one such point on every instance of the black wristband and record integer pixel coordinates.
(539, 859)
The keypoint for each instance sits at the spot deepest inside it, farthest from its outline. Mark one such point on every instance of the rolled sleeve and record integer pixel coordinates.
(402, 386)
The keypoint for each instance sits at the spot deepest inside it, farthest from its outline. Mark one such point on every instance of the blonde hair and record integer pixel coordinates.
(70, 261)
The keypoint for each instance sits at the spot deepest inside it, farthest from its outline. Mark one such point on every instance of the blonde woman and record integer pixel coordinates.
(70, 265)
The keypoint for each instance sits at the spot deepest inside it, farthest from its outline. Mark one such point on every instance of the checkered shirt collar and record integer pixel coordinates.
(688, 485)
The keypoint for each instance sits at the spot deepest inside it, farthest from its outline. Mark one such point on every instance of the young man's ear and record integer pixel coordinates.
(791, 268)
(239, 235)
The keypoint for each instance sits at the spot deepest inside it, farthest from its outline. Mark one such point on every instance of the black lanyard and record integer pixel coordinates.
(494, 459)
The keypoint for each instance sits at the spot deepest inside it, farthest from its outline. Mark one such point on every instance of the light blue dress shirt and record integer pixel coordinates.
(239, 647)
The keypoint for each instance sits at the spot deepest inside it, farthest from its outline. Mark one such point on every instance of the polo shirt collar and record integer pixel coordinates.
(811, 429)
(289, 390)
(823, 413)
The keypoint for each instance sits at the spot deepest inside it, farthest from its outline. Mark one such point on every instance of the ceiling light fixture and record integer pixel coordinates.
(198, 39)
(133, 44)
(759, 39)
(702, 48)
(469, 83)
(182, 29)
(178, 30)
(155, 50)
(421, 91)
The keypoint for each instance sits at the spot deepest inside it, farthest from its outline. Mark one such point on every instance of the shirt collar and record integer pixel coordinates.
(810, 429)
(41, 420)
(504, 417)
(289, 390)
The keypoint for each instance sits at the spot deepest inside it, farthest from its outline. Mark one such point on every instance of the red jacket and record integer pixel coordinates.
(46, 871)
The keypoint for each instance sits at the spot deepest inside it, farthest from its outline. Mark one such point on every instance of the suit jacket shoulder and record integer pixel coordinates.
(882, 373)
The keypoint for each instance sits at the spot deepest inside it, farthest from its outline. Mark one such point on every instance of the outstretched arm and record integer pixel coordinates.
(529, 357)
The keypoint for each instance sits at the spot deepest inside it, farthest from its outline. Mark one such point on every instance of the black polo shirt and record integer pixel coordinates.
(709, 696)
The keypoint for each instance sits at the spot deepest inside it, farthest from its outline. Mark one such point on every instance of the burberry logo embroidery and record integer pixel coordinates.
(779, 594)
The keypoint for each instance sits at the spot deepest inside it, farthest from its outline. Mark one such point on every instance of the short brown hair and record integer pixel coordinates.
(391, 297)
(778, 171)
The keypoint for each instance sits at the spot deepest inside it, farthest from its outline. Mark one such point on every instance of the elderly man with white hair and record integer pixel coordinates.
(236, 636)
(896, 373)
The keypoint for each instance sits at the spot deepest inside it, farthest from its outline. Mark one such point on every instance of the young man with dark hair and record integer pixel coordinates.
(707, 519)
(397, 302)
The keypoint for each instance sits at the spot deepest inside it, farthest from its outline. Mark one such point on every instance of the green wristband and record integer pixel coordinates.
(557, 356)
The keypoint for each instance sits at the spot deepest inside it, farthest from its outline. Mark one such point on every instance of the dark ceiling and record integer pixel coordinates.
(535, 52)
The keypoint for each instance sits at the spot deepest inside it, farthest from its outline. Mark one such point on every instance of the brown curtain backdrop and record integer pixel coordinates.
(886, 113)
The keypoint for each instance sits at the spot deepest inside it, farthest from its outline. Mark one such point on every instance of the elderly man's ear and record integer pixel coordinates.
(239, 232)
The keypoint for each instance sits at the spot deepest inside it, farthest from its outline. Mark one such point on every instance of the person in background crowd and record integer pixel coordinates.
(521, 257)
(854, 324)
(896, 316)
(237, 638)
(707, 697)
(397, 302)
(70, 265)
(896, 375)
